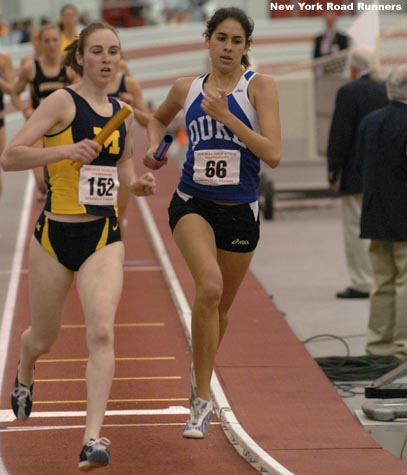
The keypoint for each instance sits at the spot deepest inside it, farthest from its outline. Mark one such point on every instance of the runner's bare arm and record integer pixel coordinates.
(165, 113)
(54, 114)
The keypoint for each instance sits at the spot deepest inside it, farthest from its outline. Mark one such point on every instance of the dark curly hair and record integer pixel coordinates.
(240, 16)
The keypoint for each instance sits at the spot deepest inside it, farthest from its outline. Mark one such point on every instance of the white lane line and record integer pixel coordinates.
(141, 268)
(118, 325)
(118, 359)
(45, 428)
(9, 306)
(239, 438)
(7, 415)
(9, 271)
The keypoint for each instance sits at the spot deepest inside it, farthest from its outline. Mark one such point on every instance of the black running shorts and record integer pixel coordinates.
(72, 243)
(236, 227)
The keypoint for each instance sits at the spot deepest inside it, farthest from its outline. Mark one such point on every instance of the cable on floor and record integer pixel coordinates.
(357, 368)
(329, 336)
(354, 368)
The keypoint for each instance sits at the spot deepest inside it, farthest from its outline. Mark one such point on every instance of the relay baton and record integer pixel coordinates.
(163, 147)
(113, 124)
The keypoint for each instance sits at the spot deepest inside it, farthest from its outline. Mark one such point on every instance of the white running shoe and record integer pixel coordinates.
(201, 414)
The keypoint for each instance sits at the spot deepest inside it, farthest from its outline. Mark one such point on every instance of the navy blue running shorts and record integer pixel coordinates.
(72, 243)
(236, 227)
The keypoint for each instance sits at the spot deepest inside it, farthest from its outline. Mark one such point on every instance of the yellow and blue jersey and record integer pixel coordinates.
(63, 177)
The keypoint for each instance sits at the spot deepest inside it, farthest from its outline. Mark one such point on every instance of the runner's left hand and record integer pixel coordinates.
(144, 185)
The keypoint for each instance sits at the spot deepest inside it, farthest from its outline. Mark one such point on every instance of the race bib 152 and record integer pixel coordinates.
(98, 185)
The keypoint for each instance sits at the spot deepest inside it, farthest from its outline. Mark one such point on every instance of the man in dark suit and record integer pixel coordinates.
(354, 100)
(382, 148)
(329, 42)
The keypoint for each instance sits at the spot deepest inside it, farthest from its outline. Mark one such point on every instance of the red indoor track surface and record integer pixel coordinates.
(151, 373)
(280, 396)
(278, 393)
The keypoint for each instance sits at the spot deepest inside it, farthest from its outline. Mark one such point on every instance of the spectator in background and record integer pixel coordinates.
(196, 10)
(382, 149)
(354, 100)
(15, 32)
(4, 32)
(329, 42)
(25, 31)
(44, 21)
(69, 23)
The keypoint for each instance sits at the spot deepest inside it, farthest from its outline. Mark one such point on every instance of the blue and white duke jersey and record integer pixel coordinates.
(218, 166)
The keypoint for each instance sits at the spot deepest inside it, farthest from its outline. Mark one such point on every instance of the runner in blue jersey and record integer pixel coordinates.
(232, 121)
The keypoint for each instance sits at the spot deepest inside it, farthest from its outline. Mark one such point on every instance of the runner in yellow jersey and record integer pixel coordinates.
(78, 229)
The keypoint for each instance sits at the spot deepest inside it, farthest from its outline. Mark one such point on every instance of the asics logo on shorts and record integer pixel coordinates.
(241, 242)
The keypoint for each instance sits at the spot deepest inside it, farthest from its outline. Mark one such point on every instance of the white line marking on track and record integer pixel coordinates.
(112, 401)
(8, 416)
(142, 268)
(118, 325)
(44, 428)
(9, 306)
(8, 313)
(124, 358)
(9, 271)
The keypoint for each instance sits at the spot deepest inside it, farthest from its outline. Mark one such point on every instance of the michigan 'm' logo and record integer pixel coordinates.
(112, 141)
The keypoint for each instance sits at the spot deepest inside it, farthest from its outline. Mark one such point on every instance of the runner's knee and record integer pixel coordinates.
(100, 336)
(209, 293)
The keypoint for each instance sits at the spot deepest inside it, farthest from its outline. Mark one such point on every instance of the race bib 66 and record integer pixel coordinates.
(217, 167)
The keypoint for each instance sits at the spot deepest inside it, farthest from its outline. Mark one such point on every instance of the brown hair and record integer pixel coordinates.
(68, 6)
(78, 45)
(46, 27)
